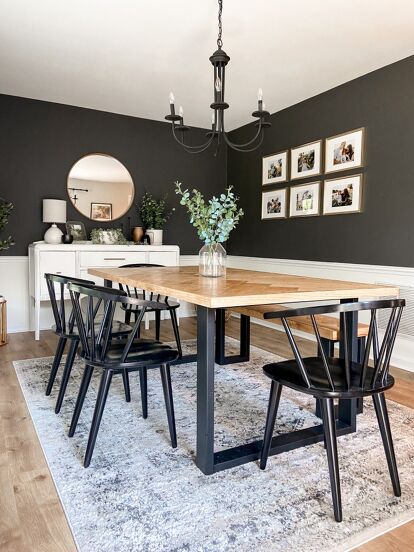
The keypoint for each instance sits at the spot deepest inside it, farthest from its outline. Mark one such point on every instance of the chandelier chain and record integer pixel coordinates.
(220, 27)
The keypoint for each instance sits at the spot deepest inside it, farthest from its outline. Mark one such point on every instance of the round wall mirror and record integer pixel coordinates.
(100, 187)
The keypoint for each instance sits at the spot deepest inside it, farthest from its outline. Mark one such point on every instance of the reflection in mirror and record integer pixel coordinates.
(100, 187)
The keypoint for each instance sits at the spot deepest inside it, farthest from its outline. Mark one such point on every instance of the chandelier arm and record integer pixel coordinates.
(240, 147)
(234, 145)
(200, 147)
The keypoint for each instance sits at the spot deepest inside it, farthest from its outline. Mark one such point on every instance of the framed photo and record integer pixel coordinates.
(275, 168)
(76, 229)
(344, 151)
(305, 160)
(101, 211)
(274, 204)
(342, 195)
(304, 200)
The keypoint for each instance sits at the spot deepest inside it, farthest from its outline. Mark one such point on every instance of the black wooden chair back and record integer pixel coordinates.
(95, 334)
(381, 351)
(57, 287)
(136, 293)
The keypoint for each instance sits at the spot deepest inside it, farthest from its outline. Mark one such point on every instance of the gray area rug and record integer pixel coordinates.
(141, 495)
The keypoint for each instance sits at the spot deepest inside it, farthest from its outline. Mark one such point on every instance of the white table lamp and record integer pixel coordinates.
(54, 211)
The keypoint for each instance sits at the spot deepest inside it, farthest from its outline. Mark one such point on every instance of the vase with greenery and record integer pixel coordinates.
(154, 215)
(214, 220)
(5, 209)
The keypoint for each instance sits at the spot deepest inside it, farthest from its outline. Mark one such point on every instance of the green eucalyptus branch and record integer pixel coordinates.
(215, 219)
(5, 209)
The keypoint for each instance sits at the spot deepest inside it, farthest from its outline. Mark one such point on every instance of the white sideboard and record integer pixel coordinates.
(75, 260)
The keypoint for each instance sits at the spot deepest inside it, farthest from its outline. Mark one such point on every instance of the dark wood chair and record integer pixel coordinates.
(328, 378)
(163, 304)
(65, 328)
(117, 357)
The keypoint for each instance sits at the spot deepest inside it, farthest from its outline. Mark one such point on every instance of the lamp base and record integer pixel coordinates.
(53, 235)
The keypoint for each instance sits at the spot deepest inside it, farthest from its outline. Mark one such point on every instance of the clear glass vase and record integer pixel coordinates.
(212, 260)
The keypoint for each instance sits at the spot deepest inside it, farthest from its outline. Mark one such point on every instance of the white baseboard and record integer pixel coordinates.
(14, 286)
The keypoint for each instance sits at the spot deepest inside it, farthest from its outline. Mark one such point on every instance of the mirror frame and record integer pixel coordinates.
(74, 205)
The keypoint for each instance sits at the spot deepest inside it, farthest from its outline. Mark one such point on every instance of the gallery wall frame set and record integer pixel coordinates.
(340, 196)
(343, 152)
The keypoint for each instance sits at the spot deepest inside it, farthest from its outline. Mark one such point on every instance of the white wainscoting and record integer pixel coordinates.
(403, 356)
(14, 286)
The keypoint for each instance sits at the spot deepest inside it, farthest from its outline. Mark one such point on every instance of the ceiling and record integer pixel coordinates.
(124, 56)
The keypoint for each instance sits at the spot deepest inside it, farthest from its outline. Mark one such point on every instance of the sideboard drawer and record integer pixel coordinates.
(167, 258)
(111, 258)
(56, 262)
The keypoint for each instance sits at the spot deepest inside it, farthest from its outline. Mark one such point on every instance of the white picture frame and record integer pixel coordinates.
(344, 151)
(274, 204)
(343, 195)
(305, 200)
(274, 168)
(305, 161)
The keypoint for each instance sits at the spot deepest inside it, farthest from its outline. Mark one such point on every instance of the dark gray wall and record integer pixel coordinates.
(40, 141)
(381, 101)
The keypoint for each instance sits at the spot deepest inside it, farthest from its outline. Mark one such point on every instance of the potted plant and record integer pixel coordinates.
(213, 220)
(154, 215)
(5, 209)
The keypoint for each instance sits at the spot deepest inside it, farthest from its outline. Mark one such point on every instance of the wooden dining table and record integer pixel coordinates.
(241, 288)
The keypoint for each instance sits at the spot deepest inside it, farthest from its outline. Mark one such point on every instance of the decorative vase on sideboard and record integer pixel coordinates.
(212, 260)
(155, 236)
(137, 234)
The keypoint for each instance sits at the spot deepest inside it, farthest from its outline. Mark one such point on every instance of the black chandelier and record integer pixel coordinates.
(219, 60)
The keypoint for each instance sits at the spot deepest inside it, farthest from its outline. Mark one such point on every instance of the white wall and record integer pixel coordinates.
(14, 286)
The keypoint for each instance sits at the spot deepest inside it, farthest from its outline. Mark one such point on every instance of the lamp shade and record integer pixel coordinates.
(54, 210)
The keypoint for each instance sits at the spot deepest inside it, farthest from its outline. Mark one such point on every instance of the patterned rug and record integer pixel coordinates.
(141, 495)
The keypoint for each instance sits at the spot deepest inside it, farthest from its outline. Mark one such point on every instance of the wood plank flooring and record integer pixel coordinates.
(31, 514)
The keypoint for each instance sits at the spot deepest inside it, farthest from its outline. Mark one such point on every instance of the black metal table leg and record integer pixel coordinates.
(205, 389)
(347, 408)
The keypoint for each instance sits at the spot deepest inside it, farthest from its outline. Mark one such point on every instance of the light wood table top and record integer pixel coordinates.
(239, 287)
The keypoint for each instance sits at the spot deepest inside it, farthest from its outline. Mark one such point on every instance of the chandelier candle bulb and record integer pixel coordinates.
(181, 112)
(260, 95)
(172, 99)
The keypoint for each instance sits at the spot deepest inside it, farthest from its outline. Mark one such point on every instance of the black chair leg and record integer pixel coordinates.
(87, 374)
(169, 404)
(157, 324)
(275, 391)
(127, 317)
(55, 366)
(174, 323)
(144, 391)
(385, 429)
(329, 427)
(127, 387)
(66, 373)
(97, 415)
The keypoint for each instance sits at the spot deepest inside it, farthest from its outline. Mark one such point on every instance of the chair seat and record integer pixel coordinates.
(163, 306)
(143, 352)
(118, 329)
(288, 373)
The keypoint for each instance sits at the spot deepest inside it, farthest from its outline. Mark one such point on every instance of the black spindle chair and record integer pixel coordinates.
(163, 304)
(116, 357)
(66, 329)
(328, 378)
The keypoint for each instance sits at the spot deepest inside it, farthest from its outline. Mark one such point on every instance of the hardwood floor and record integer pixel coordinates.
(31, 514)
